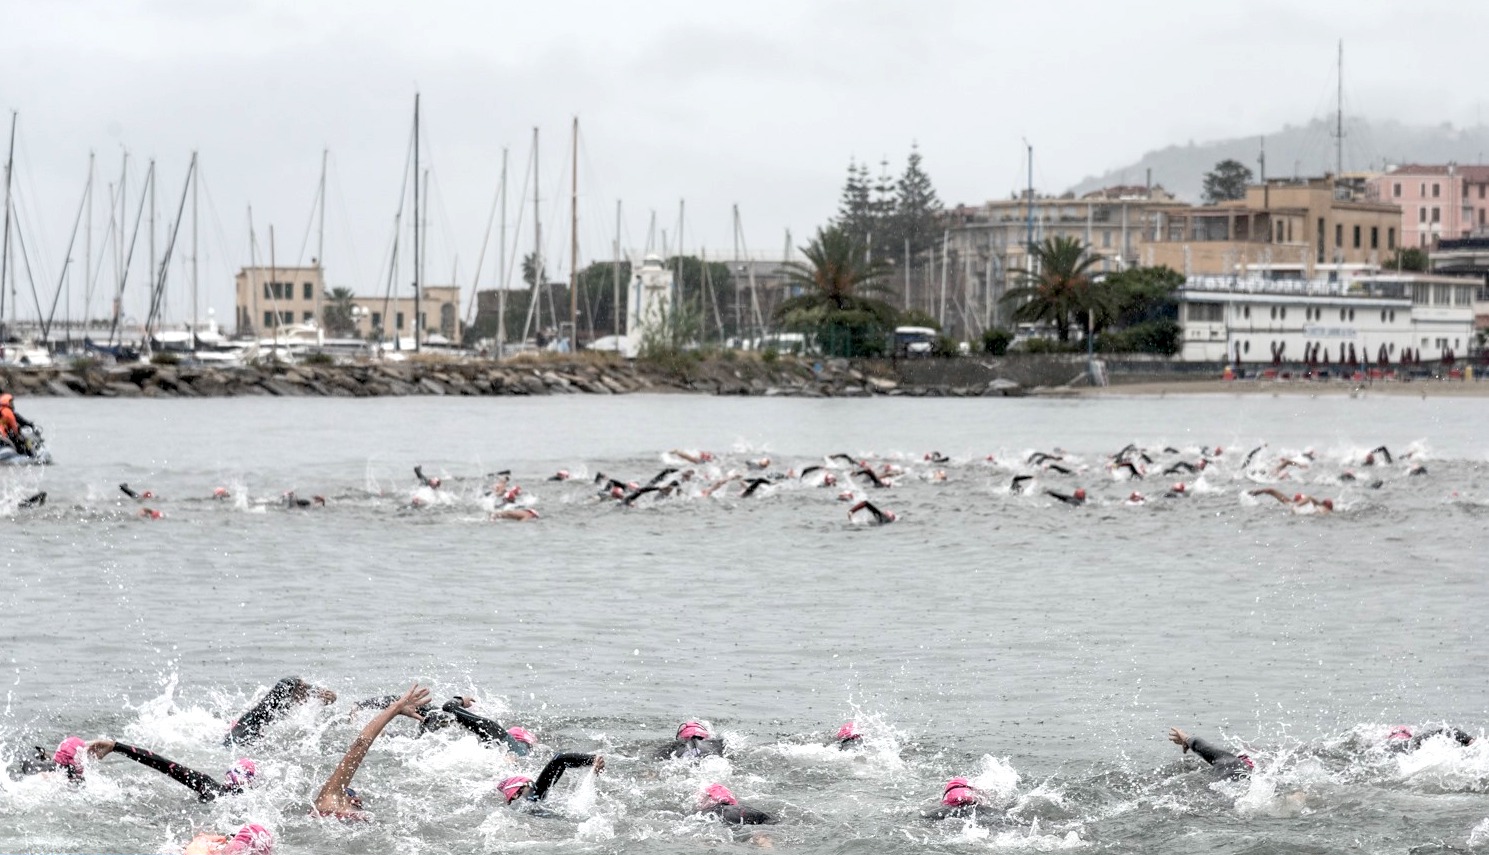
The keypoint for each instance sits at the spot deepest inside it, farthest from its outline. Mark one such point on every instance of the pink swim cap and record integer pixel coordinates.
(1135, 497)
(1080, 493)
(1179, 487)
(220, 493)
(1244, 758)
(67, 753)
(242, 773)
(718, 794)
(1400, 732)
(617, 493)
(848, 731)
(958, 792)
(512, 787)
(563, 474)
(705, 455)
(692, 730)
(522, 735)
(253, 838)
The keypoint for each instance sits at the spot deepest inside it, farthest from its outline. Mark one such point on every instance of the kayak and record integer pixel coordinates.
(32, 440)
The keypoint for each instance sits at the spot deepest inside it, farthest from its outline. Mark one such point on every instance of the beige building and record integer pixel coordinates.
(279, 297)
(1300, 229)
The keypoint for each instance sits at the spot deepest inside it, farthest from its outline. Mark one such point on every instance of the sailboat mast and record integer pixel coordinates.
(10, 163)
(88, 252)
(537, 240)
(574, 245)
(153, 272)
(615, 279)
(501, 279)
(195, 267)
(1339, 117)
(320, 243)
(418, 304)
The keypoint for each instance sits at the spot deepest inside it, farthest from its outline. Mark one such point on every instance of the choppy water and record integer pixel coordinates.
(1042, 649)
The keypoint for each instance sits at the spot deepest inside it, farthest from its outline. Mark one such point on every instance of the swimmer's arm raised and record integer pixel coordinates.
(332, 796)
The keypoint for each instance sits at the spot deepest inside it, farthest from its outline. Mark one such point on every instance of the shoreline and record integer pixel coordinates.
(1274, 388)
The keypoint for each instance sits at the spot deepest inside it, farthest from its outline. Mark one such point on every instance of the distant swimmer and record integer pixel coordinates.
(752, 485)
(1136, 498)
(847, 459)
(336, 799)
(1382, 451)
(1039, 457)
(848, 736)
(872, 477)
(1298, 501)
(1223, 763)
(1403, 741)
(35, 500)
(515, 514)
(878, 517)
(431, 483)
(717, 800)
(151, 514)
(1058, 468)
(520, 788)
(694, 457)
(251, 839)
(137, 496)
(1019, 483)
(1076, 498)
(1417, 470)
(1178, 491)
(937, 457)
(220, 493)
(1185, 466)
(207, 788)
(1132, 469)
(293, 502)
(560, 475)
(959, 800)
(1251, 455)
(662, 476)
(759, 463)
(281, 697)
(692, 741)
(516, 739)
(829, 478)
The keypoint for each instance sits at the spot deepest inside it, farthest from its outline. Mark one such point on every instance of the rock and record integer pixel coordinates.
(61, 389)
(432, 386)
(121, 389)
(882, 384)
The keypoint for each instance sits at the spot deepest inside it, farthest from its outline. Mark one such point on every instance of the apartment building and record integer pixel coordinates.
(1438, 202)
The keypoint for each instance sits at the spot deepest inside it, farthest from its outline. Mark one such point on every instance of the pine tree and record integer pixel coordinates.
(917, 209)
(886, 244)
(855, 208)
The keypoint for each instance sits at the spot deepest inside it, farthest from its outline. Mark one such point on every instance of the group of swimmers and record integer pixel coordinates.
(337, 799)
(702, 474)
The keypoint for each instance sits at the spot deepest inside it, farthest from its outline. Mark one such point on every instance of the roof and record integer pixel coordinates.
(1475, 173)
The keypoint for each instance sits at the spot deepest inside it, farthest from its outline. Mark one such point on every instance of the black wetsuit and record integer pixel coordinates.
(1018, 483)
(752, 485)
(944, 811)
(553, 772)
(691, 748)
(738, 814)
(1067, 499)
(1406, 746)
(489, 731)
(1223, 763)
(40, 762)
(207, 788)
(280, 697)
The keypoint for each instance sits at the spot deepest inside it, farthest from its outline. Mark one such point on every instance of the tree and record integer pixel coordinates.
(1143, 294)
(1226, 181)
(1407, 259)
(917, 213)
(337, 316)
(856, 214)
(1059, 288)
(839, 304)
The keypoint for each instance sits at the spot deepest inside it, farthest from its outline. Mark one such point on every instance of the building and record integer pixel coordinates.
(270, 299)
(1296, 229)
(1263, 319)
(1438, 202)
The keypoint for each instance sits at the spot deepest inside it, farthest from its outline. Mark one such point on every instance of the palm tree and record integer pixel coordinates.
(337, 315)
(1059, 287)
(838, 302)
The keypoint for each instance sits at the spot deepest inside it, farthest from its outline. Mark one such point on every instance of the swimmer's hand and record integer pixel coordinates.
(409, 704)
(327, 696)
(100, 748)
(599, 764)
(1179, 737)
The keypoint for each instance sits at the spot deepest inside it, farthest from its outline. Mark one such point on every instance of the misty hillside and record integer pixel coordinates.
(1303, 150)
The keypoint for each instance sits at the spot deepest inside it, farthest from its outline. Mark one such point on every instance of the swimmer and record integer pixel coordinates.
(560, 475)
(1058, 468)
(337, 799)
(518, 740)
(959, 800)
(251, 839)
(847, 459)
(138, 497)
(1019, 483)
(1251, 455)
(879, 517)
(1297, 501)
(68, 757)
(1076, 498)
(718, 801)
(515, 514)
(1223, 764)
(151, 514)
(873, 478)
(1382, 451)
(848, 736)
(292, 501)
(692, 741)
(1186, 466)
(758, 463)
(1132, 469)
(1040, 457)
(220, 493)
(694, 457)
(35, 500)
(662, 476)
(523, 788)
(1178, 491)
(1418, 469)
(720, 484)
(1402, 741)
(937, 457)
(752, 485)
(207, 788)
(1136, 498)
(275, 703)
(431, 483)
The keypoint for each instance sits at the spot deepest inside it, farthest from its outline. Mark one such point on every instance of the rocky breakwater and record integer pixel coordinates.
(686, 373)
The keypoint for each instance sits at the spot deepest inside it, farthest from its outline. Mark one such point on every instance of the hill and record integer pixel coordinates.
(1303, 150)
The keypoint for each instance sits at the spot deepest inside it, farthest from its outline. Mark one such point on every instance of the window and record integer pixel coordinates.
(1338, 235)
(1421, 215)
(1283, 313)
(309, 292)
(1274, 313)
(308, 317)
(1422, 191)
(1393, 316)
(1382, 315)
(1437, 215)
(1351, 315)
(1481, 213)
(377, 319)
(1375, 237)
(1279, 231)
(1391, 237)
(398, 320)
(1205, 312)
(1481, 191)
(1247, 348)
(1341, 314)
(1436, 190)
(1357, 237)
(287, 318)
(1396, 190)
(1106, 238)
(268, 320)
(1246, 312)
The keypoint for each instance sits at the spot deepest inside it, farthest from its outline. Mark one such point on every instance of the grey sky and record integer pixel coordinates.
(759, 103)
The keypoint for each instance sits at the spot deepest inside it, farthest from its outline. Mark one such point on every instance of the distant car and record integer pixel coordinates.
(914, 341)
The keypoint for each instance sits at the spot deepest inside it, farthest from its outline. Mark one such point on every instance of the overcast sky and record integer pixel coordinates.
(757, 103)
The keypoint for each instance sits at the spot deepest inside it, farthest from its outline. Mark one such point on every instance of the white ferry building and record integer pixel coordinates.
(1254, 318)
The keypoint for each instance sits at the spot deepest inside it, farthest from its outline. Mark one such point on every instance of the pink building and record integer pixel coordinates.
(1437, 202)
